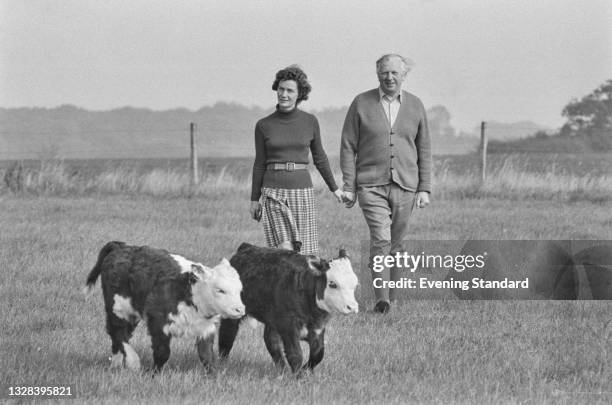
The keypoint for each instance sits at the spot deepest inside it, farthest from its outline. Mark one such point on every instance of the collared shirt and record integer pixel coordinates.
(391, 106)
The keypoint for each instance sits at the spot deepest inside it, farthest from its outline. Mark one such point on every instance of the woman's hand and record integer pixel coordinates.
(255, 210)
(338, 193)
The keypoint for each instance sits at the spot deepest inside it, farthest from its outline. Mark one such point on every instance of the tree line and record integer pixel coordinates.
(588, 127)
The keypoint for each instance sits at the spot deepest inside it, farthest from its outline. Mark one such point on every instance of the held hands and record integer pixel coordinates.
(345, 197)
(255, 210)
(348, 198)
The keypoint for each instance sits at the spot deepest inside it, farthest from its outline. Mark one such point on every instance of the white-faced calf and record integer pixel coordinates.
(293, 295)
(176, 296)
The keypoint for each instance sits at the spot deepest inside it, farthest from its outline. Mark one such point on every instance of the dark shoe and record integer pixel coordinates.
(382, 307)
(297, 246)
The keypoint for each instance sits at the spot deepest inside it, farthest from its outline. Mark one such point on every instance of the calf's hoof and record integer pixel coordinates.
(382, 307)
(116, 361)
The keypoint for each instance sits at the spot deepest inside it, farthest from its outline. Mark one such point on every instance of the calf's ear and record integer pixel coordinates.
(202, 272)
(190, 278)
(316, 265)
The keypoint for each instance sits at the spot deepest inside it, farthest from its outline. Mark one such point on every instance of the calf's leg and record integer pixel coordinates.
(274, 345)
(160, 343)
(205, 350)
(316, 342)
(120, 332)
(227, 334)
(293, 351)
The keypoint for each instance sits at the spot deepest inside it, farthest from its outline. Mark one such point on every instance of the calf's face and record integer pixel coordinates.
(219, 290)
(339, 292)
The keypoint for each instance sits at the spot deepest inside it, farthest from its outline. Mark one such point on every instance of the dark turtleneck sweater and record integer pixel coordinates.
(287, 137)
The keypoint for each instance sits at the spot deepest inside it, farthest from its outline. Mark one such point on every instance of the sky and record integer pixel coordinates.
(491, 60)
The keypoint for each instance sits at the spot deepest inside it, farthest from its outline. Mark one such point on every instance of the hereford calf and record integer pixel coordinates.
(293, 295)
(176, 296)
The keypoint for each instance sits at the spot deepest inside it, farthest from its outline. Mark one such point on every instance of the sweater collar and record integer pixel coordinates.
(287, 114)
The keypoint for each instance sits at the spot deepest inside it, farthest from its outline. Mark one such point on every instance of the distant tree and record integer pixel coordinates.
(438, 119)
(541, 135)
(591, 115)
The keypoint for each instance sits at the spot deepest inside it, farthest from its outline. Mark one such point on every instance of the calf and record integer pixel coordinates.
(293, 295)
(176, 296)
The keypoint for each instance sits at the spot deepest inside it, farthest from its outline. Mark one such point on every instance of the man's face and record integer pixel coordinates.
(391, 76)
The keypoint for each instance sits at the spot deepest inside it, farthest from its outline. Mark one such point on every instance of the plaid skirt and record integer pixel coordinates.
(289, 215)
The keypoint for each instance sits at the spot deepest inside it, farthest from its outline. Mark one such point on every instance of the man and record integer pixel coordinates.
(385, 157)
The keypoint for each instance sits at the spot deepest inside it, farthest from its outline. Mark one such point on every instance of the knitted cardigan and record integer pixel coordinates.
(374, 153)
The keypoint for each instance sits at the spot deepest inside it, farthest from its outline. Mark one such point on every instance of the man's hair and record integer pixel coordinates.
(295, 73)
(406, 63)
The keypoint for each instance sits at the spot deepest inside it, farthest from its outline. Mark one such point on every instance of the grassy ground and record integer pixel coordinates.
(423, 351)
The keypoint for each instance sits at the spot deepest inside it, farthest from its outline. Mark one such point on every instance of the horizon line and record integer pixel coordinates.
(252, 107)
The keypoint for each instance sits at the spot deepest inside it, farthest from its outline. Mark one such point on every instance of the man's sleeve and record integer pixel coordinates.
(424, 159)
(348, 147)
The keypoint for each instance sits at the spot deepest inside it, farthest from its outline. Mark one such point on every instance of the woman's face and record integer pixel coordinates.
(287, 94)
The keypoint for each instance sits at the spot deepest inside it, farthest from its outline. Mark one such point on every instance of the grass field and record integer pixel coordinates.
(424, 351)
(537, 176)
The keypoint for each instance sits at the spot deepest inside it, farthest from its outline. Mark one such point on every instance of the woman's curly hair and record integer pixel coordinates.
(295, 73)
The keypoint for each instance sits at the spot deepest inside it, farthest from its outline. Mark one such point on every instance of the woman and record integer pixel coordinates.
(282, 194)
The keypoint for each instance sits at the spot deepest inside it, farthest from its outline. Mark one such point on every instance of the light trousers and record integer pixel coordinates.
(387, 210)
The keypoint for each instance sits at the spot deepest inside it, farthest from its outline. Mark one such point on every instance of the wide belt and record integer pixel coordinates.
(287, 166)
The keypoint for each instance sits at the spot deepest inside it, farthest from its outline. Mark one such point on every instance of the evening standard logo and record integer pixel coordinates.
(452, 284)
(411, 262)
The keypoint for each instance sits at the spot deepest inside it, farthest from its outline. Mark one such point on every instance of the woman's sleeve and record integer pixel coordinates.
(259, 166)
(319, 157)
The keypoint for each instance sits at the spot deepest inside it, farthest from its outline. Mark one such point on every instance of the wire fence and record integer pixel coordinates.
(159, 160)
(124, 143)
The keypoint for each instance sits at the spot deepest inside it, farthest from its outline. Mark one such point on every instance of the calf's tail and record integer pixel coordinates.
(97, 269)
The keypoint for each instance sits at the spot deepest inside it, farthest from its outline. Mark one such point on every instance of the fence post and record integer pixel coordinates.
(483, 152)
(194, 155)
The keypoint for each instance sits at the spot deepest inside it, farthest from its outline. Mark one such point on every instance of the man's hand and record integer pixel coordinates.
(255, 210)
(348, 198)
(422, 199)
